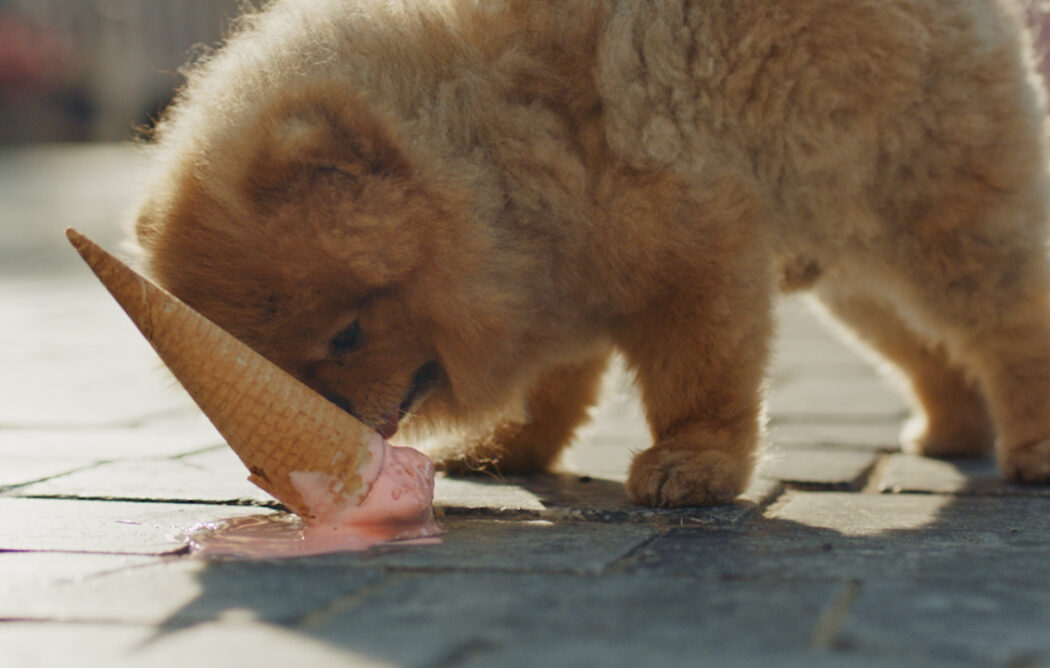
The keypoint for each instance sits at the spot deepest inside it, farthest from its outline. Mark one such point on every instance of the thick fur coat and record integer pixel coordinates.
(447, 213)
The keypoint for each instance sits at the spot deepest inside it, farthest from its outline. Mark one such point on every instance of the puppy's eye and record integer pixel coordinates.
(346, 340)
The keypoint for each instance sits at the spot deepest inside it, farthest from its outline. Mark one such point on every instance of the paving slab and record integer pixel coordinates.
(889, 514)
(18, 470)
(581, 496)
(488, 619)
(104, 373)
(618, 416)
(603, 456)
(46, 645)
(791, 551)
(36, 570)
(511, 546)
(910, 473)
(231, 642)
(168, 436)
(866, 433)
(818, 467)
(836, 398)
(486, 496)
(216, 476)
(811, 343)
(115, 527)
(178, 592)
(984, 623)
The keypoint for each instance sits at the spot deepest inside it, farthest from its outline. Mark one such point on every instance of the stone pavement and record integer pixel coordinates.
(844, 551)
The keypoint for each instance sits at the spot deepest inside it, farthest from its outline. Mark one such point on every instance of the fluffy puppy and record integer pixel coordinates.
(454, 210)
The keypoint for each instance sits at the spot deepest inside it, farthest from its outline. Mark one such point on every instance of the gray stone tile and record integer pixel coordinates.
(978, 623)
(214, 477)
(106, 374)
(180, 592)
(806, 343)
(606, 457)
(522, 545)
(45, 645)
(16, 470)
(782, 551)
(489, 619)
(34, 570)
(207, 645)
(815, 399)
(909, 473)
(818, 468)
(481, 494)
(618, 415)
(565, 496)
(873, 434)
(169, 436)
(898, 514)
(103, 526)
(246, 643)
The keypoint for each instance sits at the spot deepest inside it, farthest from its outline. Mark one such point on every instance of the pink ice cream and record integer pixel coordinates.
(398, 505)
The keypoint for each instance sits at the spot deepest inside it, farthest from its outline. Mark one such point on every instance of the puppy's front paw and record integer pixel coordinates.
(665, 476)
(1027, 463)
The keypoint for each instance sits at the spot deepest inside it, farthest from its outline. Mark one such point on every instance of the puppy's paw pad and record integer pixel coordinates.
(1027, 463)
(685, 477)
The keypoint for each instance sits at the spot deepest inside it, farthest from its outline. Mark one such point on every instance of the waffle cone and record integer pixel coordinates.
(274, 423)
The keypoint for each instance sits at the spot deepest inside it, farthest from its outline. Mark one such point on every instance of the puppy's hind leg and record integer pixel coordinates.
(952, 418)
(983, 281)
(1013, 361)
(557, 403)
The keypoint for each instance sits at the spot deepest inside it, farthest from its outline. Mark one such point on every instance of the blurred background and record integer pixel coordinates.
(95, 70)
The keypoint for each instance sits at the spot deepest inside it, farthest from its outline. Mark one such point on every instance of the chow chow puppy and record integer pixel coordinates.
(447, 213)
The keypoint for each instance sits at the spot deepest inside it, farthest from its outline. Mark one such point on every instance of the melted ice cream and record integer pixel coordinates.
(397, 506)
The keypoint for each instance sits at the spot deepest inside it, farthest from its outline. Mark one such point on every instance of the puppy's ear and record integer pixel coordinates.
(313, 134)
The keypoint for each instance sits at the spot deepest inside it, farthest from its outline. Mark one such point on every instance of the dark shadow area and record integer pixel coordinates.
(960, 579)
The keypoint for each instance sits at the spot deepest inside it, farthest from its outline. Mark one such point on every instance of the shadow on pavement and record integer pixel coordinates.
(958, 579)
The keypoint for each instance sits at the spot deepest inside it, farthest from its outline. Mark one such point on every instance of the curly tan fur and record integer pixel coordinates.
(500, 192)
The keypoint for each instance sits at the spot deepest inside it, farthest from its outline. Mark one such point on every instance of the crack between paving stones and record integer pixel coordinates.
(829, 623)
(136, 422)
(660, 517)
(177, 552)
(624, 562)
(199, 451)
(319, 616)
(268, 505)
(876, 474)
(6, 489)
(865, 482)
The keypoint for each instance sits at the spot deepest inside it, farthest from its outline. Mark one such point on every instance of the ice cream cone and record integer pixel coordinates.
(274, 423)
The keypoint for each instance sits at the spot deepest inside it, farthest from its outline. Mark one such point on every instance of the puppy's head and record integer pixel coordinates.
(308, 233)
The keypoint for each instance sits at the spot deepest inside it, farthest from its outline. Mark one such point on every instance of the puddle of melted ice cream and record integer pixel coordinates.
(397, 506)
